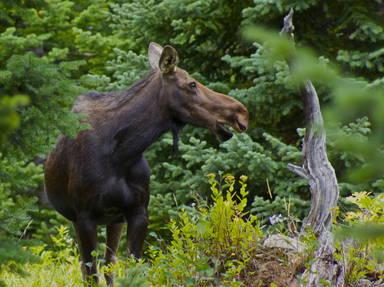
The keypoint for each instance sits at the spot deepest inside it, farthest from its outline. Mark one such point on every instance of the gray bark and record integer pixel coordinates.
(322, 180)
(316, 167)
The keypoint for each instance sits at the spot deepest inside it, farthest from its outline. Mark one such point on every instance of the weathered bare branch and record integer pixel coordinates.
(323, 184)
(298, 170)
(288, 27)
(316, 167)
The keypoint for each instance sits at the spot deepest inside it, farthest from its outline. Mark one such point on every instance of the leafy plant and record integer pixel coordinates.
(363, 238)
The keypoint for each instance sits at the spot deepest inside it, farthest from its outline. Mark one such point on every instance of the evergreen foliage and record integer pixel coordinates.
(53, 50)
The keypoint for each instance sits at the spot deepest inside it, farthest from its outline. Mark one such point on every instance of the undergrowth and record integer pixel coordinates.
(361, 239)
(219, 244)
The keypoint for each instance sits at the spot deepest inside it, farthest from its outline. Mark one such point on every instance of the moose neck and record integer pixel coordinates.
(140, 122)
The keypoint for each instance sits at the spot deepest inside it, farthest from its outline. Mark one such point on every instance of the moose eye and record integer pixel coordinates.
(192, 85)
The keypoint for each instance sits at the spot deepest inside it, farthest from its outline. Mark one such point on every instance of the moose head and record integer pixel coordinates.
(190, 102)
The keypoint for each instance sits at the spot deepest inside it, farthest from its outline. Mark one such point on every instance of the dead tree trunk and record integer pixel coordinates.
(322, 180)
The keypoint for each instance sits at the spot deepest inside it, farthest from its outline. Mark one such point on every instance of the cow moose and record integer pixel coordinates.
(100, 177)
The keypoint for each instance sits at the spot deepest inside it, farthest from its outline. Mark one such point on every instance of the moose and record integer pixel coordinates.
(100, 177)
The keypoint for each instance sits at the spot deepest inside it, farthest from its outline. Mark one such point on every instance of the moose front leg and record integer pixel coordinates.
(113, 238)
(137, 179)
(86, 232)
(137, 230)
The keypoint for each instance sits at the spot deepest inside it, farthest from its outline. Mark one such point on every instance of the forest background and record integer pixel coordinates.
(51, 51)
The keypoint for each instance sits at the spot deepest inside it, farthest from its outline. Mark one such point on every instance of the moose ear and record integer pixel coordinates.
(168, 60)
(154, 53)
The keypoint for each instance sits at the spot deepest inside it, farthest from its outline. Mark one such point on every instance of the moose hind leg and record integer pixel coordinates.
(113, 238)
(137, 230)
(86, 232)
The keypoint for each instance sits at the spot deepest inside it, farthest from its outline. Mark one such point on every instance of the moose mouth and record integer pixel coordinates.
(223, 132)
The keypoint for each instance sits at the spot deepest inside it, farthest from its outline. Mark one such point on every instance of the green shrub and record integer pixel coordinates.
(211, 245)
(362, 235)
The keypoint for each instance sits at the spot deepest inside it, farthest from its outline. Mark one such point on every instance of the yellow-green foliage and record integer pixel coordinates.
(58, 266)
(210, 246)
(363, 245)
(371, 209)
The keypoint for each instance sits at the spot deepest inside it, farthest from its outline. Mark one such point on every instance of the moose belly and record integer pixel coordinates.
(109, 216)
(116, 201)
